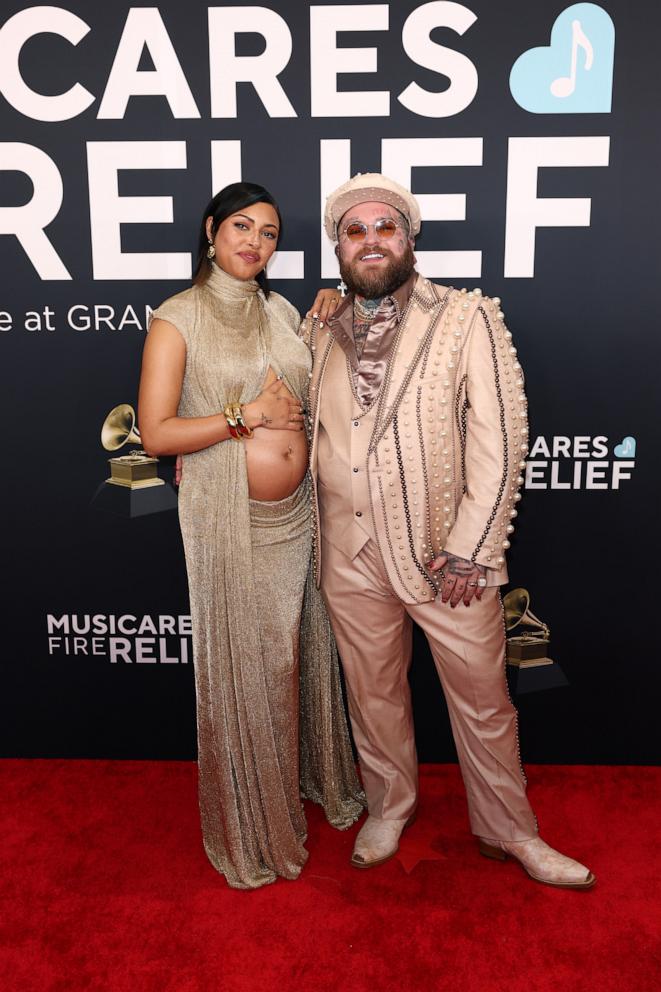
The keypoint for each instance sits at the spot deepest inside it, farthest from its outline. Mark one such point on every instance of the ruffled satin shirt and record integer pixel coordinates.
(368, 370)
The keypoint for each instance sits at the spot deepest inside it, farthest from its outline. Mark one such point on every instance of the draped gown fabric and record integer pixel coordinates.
(251, 593)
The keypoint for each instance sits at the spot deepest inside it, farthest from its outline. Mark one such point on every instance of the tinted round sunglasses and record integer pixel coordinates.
(384, 229)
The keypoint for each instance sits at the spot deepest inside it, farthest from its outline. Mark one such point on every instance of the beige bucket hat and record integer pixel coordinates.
(370, 186)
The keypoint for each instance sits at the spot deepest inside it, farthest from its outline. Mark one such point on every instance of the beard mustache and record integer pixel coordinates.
(372, 284)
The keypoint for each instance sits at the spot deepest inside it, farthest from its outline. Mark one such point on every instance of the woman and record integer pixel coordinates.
(224, 382)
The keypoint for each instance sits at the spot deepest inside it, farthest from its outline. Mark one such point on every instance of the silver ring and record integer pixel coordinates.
(472, 584)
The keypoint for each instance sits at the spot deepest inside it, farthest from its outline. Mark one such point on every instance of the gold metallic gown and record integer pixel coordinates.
(270, 719)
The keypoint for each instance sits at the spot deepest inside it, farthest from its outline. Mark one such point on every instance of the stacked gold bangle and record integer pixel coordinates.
(238, 428)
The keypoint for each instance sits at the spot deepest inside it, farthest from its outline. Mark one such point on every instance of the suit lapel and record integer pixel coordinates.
(418, 322)
(321, 343)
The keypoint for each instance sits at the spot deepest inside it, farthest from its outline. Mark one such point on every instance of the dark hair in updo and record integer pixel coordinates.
(230, 200)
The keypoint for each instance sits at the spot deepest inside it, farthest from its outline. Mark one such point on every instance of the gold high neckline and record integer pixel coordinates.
(228, 287)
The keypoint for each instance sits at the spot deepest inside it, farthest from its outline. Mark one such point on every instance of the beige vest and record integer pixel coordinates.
(345, 430)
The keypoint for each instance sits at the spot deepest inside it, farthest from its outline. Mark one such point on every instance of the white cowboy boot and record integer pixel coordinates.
(540, 861)
(377, 841)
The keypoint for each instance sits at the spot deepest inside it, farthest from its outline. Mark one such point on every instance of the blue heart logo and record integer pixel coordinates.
(626, 448)
(574, 75)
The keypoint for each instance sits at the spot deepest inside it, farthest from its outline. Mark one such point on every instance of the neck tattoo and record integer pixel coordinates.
(364, 312)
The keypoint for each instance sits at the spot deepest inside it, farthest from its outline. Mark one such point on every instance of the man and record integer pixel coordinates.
(419, 435)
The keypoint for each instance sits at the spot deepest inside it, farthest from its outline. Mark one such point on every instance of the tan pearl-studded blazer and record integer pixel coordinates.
(450, 427)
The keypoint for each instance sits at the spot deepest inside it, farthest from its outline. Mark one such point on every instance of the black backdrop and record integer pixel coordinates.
(585, 322)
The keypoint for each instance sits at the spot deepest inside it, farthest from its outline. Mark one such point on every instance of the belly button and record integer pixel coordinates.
(289, 452)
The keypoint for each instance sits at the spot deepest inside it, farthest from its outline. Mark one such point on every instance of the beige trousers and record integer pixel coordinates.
(373, 632)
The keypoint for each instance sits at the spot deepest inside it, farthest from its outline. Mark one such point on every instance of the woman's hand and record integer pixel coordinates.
(325, 304)
(274, 408)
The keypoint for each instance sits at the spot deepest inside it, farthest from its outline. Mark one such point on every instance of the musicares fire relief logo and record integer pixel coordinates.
(123, 639)
(580, 462)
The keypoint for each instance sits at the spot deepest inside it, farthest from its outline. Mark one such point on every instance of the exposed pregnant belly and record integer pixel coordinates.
(276, 463)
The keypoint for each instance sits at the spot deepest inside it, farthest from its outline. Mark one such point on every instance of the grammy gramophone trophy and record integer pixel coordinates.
(134, 488)
(137, 469)
(530, 647)
(527, 650)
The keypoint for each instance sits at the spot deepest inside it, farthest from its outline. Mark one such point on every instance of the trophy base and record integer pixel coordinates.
(528, 651)
(156, 496)
(535, 661)
(133, 484)
(535, 676)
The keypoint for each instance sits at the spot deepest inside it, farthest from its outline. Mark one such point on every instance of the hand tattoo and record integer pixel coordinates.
(266, 420)
(461, 567)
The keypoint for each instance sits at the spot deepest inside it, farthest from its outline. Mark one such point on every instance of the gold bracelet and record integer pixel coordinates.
(242, 426)
(231, 422)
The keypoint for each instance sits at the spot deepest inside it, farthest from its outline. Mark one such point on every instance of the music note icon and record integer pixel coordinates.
(626, 448)
(564, 86)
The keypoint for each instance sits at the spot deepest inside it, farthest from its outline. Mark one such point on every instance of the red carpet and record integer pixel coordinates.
(105, 887)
